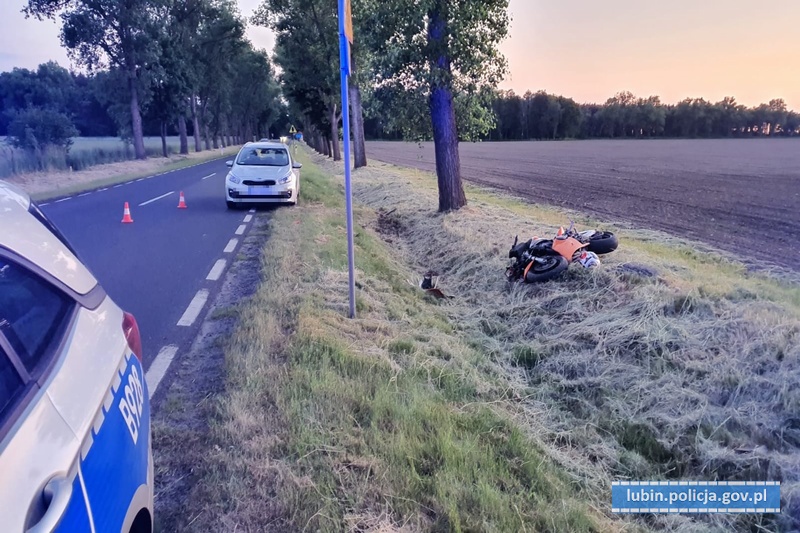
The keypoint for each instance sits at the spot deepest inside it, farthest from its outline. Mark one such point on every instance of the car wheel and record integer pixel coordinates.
(232, 205)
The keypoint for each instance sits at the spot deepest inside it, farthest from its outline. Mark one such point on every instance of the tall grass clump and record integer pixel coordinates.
(85, 152)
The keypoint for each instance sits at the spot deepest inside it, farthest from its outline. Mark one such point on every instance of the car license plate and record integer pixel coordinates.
(258, 189)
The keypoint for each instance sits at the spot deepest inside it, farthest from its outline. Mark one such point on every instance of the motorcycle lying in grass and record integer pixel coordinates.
(538, 260)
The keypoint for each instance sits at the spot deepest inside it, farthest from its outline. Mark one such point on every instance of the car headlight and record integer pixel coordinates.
(233, 179)
(286, 179)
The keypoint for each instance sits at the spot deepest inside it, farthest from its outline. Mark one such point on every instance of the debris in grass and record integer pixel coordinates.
(639, 270)
(430, 285)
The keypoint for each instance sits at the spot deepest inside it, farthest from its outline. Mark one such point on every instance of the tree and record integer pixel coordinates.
(36, 129)
(116, 32)
(570, 125)
(439, 49)
(307, 50)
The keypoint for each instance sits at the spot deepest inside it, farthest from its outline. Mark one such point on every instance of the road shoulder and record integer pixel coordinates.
(186, 401)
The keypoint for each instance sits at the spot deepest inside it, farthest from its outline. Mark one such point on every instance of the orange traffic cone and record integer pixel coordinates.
(182, 202)
(126, 216)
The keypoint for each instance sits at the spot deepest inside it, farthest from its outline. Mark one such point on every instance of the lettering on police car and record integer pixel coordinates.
(131, 403)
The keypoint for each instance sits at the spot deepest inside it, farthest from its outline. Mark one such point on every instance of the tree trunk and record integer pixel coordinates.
(182, 133)
(206, 131)
(136, 119)
(196, 123)
(215, 138)
(337, 153)
(164, 138)
(228, 138)
(357, 125)
(443, 120)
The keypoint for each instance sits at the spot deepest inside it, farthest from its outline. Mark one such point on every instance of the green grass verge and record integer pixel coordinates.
(387, 421)
(505, 408)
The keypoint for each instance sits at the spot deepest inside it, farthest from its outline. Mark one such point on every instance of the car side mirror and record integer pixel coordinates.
(229, 163)
(297, 165)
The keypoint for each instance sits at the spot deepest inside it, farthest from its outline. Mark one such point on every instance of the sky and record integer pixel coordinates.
(584, 49)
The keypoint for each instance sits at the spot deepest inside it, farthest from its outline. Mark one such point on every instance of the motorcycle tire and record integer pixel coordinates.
(552, 266)
(603, 242)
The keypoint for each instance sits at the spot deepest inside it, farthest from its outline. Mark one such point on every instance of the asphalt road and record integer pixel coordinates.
(155, 267)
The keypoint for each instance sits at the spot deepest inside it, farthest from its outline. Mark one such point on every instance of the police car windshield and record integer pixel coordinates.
(265, 157)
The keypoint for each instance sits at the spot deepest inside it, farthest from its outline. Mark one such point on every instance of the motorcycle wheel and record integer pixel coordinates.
(603, 242)
(549, 267)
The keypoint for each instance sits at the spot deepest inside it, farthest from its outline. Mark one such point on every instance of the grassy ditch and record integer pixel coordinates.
(504, 408)
(389, 422)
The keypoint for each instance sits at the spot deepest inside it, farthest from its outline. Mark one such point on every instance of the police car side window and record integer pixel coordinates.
(32, 314)
(11, 384)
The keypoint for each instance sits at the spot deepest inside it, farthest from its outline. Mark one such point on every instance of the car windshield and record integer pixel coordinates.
(265, 157)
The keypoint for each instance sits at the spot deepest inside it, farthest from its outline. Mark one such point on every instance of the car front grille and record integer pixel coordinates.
(282, 195)
(251, 183)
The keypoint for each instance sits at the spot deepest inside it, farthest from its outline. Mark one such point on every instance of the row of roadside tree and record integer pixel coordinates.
(163, 67)
(422, 69)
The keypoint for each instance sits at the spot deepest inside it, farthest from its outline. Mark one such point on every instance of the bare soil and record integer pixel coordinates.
(742, 195)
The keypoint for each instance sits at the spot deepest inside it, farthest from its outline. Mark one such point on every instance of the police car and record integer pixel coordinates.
(75, 447)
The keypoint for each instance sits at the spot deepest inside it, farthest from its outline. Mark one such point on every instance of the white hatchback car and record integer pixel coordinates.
(75, 445)
(262, 172)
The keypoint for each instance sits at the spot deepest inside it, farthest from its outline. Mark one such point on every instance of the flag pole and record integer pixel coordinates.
(345, 27)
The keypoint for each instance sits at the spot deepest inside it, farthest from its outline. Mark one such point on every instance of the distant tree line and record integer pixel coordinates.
(545, 116)
(172, 67)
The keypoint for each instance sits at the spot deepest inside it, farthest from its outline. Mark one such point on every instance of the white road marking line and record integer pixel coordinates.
(247, 219)
(140, 179)
(156, 199)
(253, 210)
(44, 204)
(84, 194)
(210, 176)
(101, 190)
(193, 311)
(118, 186)
(64, 199)
(231, 246)
(158, 368)
(216, 270)
(240, 230)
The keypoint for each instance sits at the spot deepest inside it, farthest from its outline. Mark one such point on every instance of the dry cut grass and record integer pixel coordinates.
(390, 422)
(691, 374)
(504, 408)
